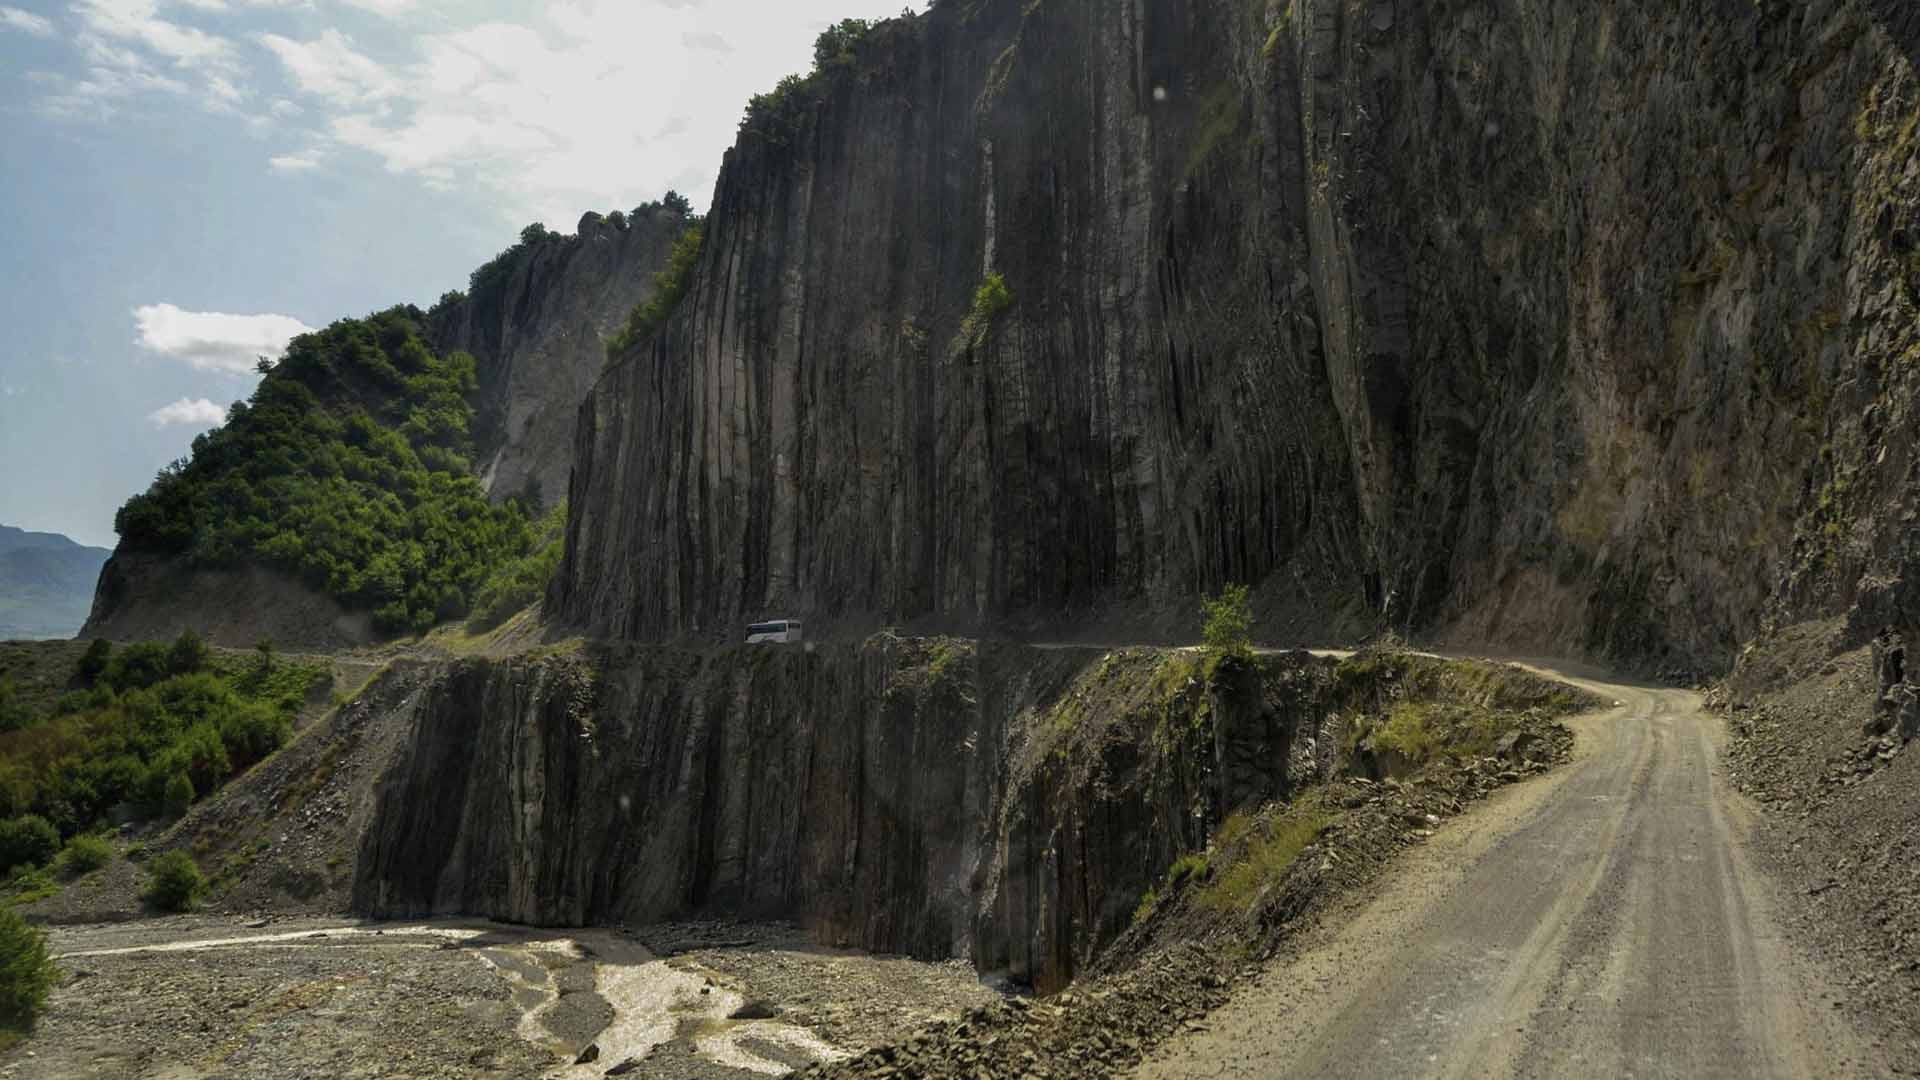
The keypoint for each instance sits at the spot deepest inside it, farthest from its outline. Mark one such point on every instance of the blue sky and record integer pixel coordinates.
(187, 182)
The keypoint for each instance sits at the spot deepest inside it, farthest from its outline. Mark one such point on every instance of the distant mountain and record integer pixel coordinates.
(46, 584)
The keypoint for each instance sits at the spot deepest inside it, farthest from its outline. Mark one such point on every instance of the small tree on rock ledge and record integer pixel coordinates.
(1229, 622)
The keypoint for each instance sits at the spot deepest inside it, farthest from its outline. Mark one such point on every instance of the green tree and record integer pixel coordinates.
(26, 972)
(93, 663)
(838, 46)
(174, 882)
(177, 794)
(14, 713)
(188, 654)
(1229, 622)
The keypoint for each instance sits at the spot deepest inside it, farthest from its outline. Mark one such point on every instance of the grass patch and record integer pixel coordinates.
(1268, 853)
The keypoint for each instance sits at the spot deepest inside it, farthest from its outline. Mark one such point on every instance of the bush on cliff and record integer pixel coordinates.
(1228, 630)
(349, 470)
(669, 288)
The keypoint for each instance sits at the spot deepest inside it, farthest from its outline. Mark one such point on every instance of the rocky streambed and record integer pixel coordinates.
(174, 999)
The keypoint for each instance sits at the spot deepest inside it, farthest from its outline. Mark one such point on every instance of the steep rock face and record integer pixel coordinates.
(842, 786)
(934, 798)
(147, 597)
(538, 334)
(1587, 326)
(1104, 786)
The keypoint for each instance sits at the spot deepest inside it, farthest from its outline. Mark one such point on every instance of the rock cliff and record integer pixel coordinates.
(537, 328)
(1588, 326)
(937, 798)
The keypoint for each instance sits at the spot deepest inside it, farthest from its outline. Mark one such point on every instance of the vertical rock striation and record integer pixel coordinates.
(934, 798)
(537, 330)
(1589, 326)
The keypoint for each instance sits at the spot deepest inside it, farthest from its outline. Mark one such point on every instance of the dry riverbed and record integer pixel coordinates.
(193, 997)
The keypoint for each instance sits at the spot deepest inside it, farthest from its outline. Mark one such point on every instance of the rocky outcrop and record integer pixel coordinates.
(147, 597)
(537, 329)
(1588, 326)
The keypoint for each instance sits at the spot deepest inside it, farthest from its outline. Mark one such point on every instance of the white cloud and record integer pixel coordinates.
(12, 18)
(566, 106)
(581, 104)
(211, 341)
(295, 162)
(199, 412)
(329, 67)
(138, 22)
(389, 8)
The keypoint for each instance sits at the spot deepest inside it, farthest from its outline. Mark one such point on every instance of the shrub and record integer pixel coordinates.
(27, 840)
(188, 654)
(85, 854)
(838, 45)
(14, 713)
(94, 663)
(669, 288)
(137, 667)
(26, 972)
(177, 793)
(521, 582)
(991, 298)
(1229, 622)
(174, 882)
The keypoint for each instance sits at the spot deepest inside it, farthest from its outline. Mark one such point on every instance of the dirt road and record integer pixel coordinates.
(1603, 921)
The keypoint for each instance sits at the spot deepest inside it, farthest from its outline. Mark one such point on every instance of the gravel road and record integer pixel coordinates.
(1604, 921)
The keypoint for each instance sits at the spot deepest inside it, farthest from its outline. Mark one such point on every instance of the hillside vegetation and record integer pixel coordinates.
(148, 729)
(349, 469)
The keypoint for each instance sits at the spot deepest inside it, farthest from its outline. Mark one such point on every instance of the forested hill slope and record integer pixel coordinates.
(1588, 326)
(385, 475)
(46, 583)
(349, 470)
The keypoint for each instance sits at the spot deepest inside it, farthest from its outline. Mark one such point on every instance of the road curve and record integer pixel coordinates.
(1601, 921)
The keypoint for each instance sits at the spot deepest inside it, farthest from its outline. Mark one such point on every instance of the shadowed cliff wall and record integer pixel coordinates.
(1583, 326)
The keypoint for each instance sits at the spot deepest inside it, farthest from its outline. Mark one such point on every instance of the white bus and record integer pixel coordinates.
(780, 631)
